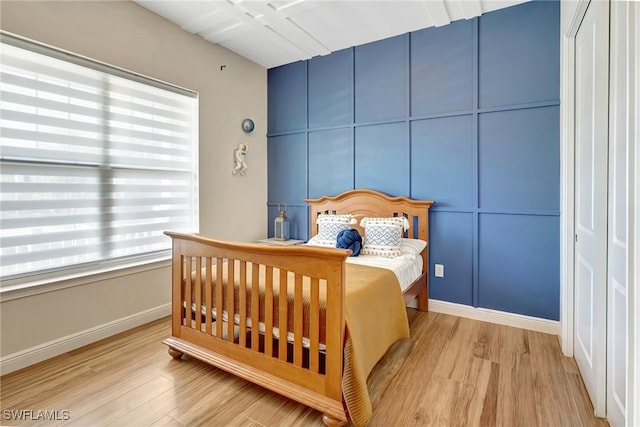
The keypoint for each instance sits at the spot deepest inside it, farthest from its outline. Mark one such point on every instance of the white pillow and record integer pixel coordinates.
(412, 246)
(328, 228)
(314, 241)
(382, 236)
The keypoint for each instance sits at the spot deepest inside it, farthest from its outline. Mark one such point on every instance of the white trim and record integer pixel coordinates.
(494, 316)
(567, 172)
(633, 404)
(73, 280)
(39, 353)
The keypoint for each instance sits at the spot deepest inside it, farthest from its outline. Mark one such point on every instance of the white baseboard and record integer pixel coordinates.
(494, 316)
(39, 353)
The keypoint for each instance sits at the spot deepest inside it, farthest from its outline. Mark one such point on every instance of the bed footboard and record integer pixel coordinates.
(273, 315)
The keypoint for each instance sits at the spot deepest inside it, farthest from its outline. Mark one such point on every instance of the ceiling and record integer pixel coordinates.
(278, 32)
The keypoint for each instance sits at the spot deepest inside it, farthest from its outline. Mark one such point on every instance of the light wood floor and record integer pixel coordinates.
(452, 372)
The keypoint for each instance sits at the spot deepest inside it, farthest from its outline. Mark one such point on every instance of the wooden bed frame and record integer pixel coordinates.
(308, 371)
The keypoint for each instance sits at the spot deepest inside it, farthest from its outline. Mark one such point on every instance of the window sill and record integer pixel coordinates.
(54, 284)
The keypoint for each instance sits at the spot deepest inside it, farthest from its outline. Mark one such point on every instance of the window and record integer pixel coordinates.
(95, 164)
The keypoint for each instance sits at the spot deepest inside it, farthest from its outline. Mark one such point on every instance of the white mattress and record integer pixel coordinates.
(407, 267)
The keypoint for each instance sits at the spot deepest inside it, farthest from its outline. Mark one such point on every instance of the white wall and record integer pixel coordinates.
(231, 207)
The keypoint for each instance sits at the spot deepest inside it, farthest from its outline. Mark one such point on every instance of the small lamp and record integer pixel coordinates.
(281, 225)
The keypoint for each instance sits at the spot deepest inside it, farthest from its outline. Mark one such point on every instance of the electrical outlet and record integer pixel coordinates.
(439, 270)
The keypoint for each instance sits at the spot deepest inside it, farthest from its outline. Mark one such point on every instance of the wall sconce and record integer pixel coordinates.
(239, 156)
(248, 125)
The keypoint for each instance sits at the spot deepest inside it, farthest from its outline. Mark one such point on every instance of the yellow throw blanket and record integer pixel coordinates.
(376, 318)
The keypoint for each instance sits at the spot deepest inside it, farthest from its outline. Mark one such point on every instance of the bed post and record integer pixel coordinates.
(332, 422)
(423, 233)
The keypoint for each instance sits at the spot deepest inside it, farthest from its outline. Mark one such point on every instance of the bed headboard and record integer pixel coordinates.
(362, 202)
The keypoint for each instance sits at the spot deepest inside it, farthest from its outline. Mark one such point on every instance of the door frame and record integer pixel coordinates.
(567, 175)
(633, 396)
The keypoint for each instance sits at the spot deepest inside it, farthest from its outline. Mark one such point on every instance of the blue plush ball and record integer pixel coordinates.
(350, 239)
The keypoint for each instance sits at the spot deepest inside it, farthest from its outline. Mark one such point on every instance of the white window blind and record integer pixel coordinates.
(96, 163)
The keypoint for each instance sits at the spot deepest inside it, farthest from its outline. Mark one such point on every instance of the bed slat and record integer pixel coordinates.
(268, 312)
(219, 267)
(314, 320)
(297, 321)
(282, 316)
(198, 291)
(255, 305)
(188, 296)
(208, 305)
(231, 278)
(242, 304)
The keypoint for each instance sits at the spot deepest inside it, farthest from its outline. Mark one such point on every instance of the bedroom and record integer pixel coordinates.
(157, 48)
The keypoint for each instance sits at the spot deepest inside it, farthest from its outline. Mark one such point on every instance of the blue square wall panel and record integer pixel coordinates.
(287, 172)
(287, 97)
(519, 159)
(451, 244)
(330, 162)
(442, 158)
(519, 264)
(331, 89)
(442, 69)
(382, 158)
(381, 79)
(519, 54)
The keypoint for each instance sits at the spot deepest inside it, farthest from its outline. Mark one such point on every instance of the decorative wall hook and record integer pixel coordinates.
(239, 155)
(248, 125)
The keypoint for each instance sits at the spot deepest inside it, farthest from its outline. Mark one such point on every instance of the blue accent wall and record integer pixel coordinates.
(466, 115)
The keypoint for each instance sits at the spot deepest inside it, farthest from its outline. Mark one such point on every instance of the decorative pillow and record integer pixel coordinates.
(350, 239)
(329, 226)
(382, 236)
(412, 246)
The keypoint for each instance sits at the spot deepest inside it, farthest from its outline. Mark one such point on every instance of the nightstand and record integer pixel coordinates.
(273, 241)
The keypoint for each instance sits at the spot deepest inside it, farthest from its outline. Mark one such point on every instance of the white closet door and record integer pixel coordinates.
(590, 299)
(619, 257)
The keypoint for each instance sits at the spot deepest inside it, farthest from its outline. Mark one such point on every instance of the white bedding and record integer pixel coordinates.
(407, 267)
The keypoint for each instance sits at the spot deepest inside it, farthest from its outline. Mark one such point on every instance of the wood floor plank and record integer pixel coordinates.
(124, 404)
(388, 369)
(192, 408)
(227, 412)
(303, 417)
(150, 412)
(582, 415)
(493, 340)
(451, 372)
(435, 404)
(517, 405)
(270, 411)
(490, 405)
(241, 421)
(429, 346)
(469, 405)
(167, 421)
(85, 397)
(548, 372)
